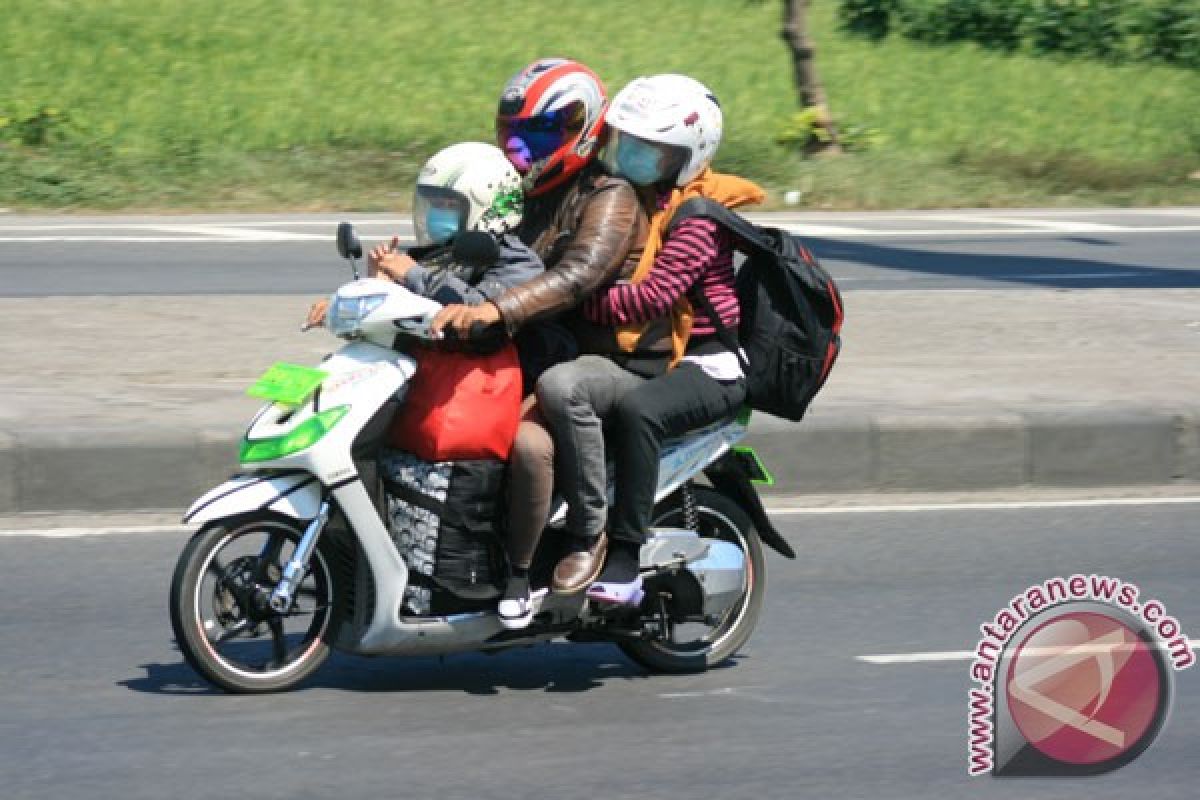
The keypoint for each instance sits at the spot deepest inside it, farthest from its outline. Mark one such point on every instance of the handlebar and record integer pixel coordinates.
(480, 337)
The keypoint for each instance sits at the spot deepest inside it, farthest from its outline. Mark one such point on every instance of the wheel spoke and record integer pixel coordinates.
(310, 593)
(305, 612)
(278, 644)
(216, 567)
(229, 633)
(270, 557)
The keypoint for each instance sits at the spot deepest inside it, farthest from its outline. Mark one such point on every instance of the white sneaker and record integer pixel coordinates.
(515, 612)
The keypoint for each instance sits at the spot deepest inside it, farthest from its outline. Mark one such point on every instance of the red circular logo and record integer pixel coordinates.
(1084, 688)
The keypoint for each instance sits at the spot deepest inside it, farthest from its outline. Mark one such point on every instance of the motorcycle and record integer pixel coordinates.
(293, 556)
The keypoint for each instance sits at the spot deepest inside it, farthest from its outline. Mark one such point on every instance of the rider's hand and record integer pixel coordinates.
(460, 318)
(316, 315)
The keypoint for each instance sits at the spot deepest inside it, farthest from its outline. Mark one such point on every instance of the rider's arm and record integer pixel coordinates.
(692, 249)
(607, 231)
(517, 264)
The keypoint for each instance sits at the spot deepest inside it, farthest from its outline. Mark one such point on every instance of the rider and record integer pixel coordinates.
(467, 186)
(665, 132)
(589, 229)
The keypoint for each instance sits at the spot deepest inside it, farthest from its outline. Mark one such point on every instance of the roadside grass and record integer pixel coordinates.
(310, 105)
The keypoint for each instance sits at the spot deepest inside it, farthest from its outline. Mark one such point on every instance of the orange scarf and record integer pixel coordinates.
(728, 190)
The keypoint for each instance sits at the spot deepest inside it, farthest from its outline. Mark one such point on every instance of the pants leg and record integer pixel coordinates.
(530, 485)
(671, 405)
(575, 398)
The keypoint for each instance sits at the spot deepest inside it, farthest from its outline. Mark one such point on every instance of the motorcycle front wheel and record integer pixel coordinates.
(696, 647)
(220, 608)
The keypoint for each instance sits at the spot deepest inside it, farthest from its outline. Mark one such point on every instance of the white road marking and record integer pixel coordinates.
(819, 229)
(744, 691)
(1070, 226)
(275, 231)
(238, 233)
(1016, 505)
(266, 238)
(1100, 502)
(1003, 276)
(77, 533)
(960, 655)
(1063, 276)
(1009, 232)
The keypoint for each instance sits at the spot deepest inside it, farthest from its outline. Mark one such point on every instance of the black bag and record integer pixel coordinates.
(441, 516)
(791, 313)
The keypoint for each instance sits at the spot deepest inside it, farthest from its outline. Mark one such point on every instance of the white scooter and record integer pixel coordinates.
(293, 556)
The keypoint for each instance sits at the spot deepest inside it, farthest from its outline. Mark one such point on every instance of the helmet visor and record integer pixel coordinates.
(527, 140)
(641, 161)
(438, 214)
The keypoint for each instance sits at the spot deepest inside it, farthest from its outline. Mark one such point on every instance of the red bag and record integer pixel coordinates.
(460, 406)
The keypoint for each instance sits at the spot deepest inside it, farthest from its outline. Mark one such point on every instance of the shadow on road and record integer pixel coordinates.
(555, 668)
(169, 679)
(1033, 270)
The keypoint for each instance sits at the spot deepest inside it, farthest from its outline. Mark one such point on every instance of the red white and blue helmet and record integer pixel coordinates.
(549, 121)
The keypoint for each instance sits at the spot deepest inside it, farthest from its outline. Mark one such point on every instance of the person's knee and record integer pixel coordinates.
(557, 389)
(634, 413)
(533, 449)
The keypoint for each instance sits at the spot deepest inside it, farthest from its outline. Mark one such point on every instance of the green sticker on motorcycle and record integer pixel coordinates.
(287, 384)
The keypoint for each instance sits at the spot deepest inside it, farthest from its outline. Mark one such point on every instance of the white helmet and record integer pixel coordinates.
(467, 186)
(672, 110)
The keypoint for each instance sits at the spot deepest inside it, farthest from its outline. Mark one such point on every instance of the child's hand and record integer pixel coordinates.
(394, 266)
(378, 253)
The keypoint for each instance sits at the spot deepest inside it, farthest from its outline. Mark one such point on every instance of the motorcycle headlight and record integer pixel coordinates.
(346, 314)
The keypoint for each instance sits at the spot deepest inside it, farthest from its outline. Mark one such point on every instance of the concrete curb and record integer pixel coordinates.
(1103, 447)
(90, 469)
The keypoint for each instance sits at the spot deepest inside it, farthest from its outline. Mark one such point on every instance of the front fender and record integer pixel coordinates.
(294, 494)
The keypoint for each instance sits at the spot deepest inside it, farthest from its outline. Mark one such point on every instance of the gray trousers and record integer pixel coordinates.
(575, 398)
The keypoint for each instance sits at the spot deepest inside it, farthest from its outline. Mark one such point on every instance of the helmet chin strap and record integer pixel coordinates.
(540, 180)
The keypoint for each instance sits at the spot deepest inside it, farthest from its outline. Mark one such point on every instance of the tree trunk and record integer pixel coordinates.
(804, 68)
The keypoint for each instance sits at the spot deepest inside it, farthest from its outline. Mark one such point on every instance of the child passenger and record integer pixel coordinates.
(467, 186)
(665, 130)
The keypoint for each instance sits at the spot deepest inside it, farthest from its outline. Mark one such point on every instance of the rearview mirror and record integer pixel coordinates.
(348, 245)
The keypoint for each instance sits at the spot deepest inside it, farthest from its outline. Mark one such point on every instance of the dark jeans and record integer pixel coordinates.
(661, 408)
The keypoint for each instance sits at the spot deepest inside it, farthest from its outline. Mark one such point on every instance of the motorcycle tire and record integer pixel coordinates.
(210, 594)
(719, 517)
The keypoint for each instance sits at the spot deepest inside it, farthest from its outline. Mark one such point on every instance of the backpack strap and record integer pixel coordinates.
(711, 209)
(735, 223)
(726, 338)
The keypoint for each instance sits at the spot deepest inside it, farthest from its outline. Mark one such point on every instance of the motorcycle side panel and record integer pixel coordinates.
(722, 576)
(296, 495)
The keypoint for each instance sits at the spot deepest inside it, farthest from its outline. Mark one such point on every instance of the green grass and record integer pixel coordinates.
(308, 105)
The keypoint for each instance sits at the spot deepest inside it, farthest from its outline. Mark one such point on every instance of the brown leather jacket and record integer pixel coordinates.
(589, 235)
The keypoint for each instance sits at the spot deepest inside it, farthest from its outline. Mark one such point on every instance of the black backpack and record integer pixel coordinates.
(791, 312)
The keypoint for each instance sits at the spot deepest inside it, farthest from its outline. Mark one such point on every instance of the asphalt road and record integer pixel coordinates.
(916, 250)
(95, 701)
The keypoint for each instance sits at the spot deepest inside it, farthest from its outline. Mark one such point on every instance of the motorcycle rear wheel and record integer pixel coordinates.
(721, 518)
(219, 612)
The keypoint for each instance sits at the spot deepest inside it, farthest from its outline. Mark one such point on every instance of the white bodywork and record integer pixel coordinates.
(362, 376)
